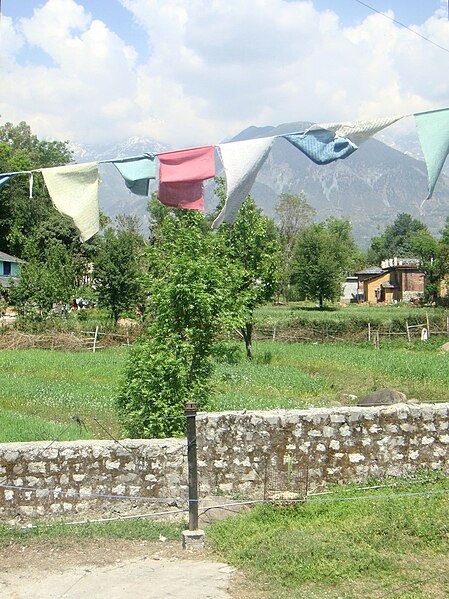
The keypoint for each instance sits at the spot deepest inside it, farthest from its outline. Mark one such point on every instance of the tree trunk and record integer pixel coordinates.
(321, 301)
(247, 332)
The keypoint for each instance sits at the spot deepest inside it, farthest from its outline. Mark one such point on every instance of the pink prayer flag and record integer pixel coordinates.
(181, 176)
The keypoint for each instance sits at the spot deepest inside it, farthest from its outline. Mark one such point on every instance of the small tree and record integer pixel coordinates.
(322, 257)
(189, 283)
(253, 249)
(117, 270)
(45, 281)
(294, 213)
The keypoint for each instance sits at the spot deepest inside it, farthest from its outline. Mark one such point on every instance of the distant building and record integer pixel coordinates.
(350, 292)
(9, 270)
(398, 280)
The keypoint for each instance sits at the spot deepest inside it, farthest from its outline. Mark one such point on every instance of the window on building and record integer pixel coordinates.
(6, 268)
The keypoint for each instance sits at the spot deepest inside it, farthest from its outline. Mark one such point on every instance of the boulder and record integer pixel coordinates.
(383, 397)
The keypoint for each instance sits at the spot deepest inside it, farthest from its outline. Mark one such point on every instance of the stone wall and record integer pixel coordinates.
(265, 454)
(247, 454)
(86, 477)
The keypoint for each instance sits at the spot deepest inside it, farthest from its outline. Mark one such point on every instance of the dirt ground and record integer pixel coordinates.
(112, 569)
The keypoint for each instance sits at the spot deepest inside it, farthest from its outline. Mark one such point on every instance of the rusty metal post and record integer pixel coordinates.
(190, 413)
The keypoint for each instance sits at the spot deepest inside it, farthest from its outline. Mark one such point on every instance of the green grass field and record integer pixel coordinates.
(373, 543)
(41, 390)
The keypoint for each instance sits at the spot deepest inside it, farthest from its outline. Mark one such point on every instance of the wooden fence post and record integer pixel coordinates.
(94, 347)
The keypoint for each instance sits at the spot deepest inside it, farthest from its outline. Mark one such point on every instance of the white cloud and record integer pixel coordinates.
(215, 68)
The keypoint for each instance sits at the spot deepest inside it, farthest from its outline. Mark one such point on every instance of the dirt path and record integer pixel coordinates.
(110, 569)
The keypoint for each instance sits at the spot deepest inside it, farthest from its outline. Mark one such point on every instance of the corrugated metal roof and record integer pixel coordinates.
(7, 258)
(371, 270)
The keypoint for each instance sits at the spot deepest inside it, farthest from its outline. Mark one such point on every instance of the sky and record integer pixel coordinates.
(194, 72)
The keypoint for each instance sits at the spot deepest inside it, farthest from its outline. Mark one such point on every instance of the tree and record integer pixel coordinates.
(294, 213)
(45, 281)
(397, 239)
(323, 255)
(117, 270)
(431, 260)
(252, 247)
(19, 216)
(189, 283)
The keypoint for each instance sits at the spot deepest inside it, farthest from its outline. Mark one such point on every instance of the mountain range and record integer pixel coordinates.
(369, 188)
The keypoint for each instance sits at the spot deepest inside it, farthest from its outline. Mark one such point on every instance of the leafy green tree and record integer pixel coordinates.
(252, 247)
(189, 284)
(46, 281)
(19, 216)
(397, 239)
(429, 252)
(116, 267)
(323, 255)
(294, 213)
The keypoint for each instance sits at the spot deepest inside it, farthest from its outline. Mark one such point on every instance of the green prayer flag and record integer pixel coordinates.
(433, 133)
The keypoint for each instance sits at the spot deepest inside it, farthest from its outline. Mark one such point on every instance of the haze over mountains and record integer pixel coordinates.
(369, 188)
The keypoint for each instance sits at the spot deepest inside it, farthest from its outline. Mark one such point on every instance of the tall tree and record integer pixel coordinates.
(323, 255)
(294, 213)
(20, 150)
(117, 268)
(397, 239)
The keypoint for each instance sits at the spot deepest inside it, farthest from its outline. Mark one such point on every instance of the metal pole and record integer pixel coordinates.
(190, 414)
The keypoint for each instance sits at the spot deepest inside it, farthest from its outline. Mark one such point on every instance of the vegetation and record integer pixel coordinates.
(189, 284)
(117, 268)
(397, 239)
(146, 530)
(324, 252)
(351, 543)
(42, 390)
(294, 214)
(252, 248)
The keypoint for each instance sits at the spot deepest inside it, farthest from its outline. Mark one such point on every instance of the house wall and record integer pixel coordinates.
(349, 292)
(251, 454)
(15, 269)
(371, 285)
(412, 281)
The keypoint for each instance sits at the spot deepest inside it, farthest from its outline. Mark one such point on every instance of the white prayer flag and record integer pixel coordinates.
(74, 192)
(242, 161)
(359, 131)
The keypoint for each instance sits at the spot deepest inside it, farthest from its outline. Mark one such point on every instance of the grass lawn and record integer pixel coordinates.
(300, 375)
(41, 390)
(351, 544)
(148, 530)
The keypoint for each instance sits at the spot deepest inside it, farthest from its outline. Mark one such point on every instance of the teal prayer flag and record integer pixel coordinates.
(137, 171)
(433, 133)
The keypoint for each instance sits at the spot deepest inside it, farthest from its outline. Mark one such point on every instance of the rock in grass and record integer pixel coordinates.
(383, 397)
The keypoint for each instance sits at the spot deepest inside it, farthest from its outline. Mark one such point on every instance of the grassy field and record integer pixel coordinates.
(345, 322)
(41, 390)
(373, 543)
(147, 530)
